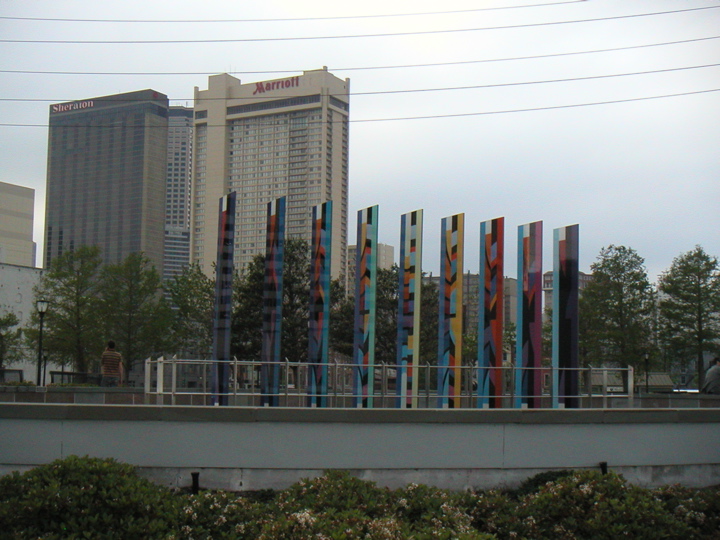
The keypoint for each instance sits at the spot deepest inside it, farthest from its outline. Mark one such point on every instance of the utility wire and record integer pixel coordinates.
(352, 36)
(428, 117)
(365, 68)
(298, 19)
(413, 90)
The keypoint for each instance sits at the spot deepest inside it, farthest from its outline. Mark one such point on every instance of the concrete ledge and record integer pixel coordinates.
(161, 413)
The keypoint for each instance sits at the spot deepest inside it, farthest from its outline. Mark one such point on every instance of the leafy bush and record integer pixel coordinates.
(592, 505)
(699, 509)
(101, 498)
(219, 515)
(535, 483)
(339, 491)
(88, 497)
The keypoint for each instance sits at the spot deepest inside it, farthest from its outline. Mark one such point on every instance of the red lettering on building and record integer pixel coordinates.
(262, 87)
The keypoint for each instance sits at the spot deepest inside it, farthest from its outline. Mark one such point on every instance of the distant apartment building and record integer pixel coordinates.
(177, 192)
(583, 281)
(106, 176)
(264, 140)
(385, 260)
(17, 211)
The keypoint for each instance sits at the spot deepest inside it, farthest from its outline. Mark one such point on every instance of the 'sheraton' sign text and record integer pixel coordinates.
(262, 87)
(75, 105)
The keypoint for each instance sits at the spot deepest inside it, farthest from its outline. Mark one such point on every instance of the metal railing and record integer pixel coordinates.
(176, 381)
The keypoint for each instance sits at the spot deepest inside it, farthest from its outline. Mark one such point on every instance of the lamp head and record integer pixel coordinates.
(42, 306)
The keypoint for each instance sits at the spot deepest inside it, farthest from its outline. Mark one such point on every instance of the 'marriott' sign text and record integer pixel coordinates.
(262, 87)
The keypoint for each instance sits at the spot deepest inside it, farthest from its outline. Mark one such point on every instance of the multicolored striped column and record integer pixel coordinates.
(528, 377)
(450, 316)
(490, 323)
(565, 359)
(319, 325)
(365, 309)
(223, 299)
(409, 302)
(272, 303)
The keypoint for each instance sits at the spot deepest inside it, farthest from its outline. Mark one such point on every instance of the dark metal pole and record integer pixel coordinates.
(39, 368)
(647, 373)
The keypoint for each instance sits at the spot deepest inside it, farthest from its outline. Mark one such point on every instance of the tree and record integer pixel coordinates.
(342, 319)
(135, 313)
(690, 308)
(10, 340)
(386, 316)
(192, 295)
(248, 305)
(617, 309)
(429, 325)
(72, 329)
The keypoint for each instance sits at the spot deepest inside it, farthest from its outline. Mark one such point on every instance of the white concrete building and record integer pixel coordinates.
(17, 297)
(17, 212)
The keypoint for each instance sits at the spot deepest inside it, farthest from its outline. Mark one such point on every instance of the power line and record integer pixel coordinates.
(415, 90)
(434, 116)
(298, 19)
(533, 109)
(352, 36)
(366, 68)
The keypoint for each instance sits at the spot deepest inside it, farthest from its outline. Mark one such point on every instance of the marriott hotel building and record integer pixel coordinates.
(264, 140)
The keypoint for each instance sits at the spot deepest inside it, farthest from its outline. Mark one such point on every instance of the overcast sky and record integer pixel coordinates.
(639, 172)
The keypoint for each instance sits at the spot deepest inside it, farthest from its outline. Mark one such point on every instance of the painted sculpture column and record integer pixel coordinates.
(528, 376)
(365, 293)
(272, 303)
(490, 324)
(319, 324)
(565, 361)
(223, 300)
(450, 312)
(409, 303)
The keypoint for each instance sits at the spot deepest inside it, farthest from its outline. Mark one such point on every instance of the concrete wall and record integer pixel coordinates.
(246, 448)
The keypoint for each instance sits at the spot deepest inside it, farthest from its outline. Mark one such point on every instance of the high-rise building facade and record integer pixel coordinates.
(17, 211)
(177, 192)
(264, 140)
(106, 176)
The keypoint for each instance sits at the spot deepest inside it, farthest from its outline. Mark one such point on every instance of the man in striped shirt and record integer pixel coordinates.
(111, 366)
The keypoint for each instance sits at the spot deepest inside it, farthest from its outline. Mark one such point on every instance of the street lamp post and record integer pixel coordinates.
(42, 306)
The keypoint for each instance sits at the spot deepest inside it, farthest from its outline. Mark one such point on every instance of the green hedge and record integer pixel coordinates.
(101, 498)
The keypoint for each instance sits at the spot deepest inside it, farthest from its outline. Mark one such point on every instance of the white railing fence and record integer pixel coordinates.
(177, 381)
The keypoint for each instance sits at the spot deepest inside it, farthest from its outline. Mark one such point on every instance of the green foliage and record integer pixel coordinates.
(72, 324)
(248, 305)
(616, 310)
(84, 498)
(591, 505)
(434, 513)
(101, 498)
(336, 490)
(192, 294)
(134, 312)
(536, 482)
(219, 515)
(10, 339)
(690, 308)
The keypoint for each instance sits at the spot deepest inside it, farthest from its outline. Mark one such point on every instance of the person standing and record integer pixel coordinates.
(111, 366)
(712, 378)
